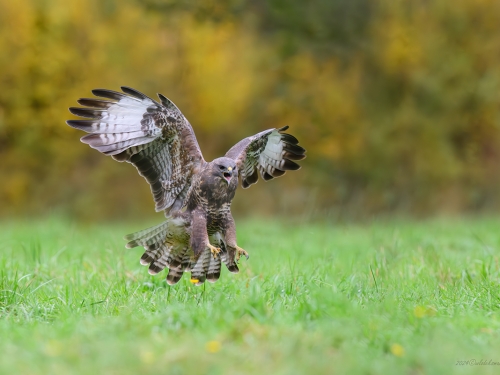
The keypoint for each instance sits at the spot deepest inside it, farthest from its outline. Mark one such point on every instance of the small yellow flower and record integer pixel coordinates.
(53, 348)
(194, 281)
(397, 350)
(213, 346)
(147, 357)
(423, 311)
(420, 311)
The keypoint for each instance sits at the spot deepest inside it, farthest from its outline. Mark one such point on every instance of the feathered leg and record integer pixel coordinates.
(199, 235)
(202, 258)
(234, 251)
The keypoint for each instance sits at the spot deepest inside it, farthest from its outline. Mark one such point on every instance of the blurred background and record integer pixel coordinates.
(397, 102)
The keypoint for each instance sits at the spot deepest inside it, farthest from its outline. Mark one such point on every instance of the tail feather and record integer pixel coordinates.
(200, 268)
(142, 237)
(230, 262)
(186, 262)
(171, 257)
(174, 275)
(167, 246)
(213, 272)
(155, 258)
(177, 257)
(150, 255)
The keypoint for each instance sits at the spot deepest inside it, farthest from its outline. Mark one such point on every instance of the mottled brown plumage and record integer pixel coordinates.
(195, 195)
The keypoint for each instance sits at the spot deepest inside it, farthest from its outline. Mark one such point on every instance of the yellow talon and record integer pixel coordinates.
(214, 250)
(240, 252)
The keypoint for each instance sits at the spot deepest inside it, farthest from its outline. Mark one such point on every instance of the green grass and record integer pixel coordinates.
(397, 298)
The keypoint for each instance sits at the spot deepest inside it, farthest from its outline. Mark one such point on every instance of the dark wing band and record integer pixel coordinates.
(270, 152)
(155, 137)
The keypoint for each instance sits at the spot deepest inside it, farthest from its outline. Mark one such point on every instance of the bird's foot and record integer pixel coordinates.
(214, 250)
(240, 252)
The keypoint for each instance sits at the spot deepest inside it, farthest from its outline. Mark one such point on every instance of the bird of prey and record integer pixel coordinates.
(199, 231)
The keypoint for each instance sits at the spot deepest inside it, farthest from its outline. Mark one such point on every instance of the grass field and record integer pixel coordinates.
(380, 298)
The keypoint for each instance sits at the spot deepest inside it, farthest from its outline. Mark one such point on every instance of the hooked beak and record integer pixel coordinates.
(228, 174)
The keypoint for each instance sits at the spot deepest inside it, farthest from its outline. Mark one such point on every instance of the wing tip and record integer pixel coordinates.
(84, 112)
(163, 99)
(133, 92)
(289, 165)
(105, 93)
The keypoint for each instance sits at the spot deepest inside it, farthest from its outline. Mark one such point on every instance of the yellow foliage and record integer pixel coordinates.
(402, 50)
(407, 117)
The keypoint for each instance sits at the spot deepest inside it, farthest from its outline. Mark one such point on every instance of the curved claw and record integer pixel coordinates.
(214, 250)
(240, 252)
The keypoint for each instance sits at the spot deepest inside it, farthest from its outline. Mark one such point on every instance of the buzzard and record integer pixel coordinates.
(195, 195)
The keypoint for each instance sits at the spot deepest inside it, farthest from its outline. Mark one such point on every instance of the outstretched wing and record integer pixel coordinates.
(270, 152)
(155, 137)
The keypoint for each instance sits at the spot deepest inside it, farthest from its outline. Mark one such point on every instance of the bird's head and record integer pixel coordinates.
(224, 168)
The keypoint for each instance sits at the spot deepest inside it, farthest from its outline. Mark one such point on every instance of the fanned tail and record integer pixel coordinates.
(207, 267)
(167, 246)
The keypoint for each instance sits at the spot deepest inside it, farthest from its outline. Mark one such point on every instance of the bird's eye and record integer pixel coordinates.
(221, 167)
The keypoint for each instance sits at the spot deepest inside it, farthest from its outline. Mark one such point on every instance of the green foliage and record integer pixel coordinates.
(383, 298)
(396, 102)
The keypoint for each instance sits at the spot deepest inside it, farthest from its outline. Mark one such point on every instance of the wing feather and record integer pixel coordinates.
(270, 152)
(155, 137)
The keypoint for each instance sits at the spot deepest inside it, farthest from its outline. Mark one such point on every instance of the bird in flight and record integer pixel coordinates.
(199, 231)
